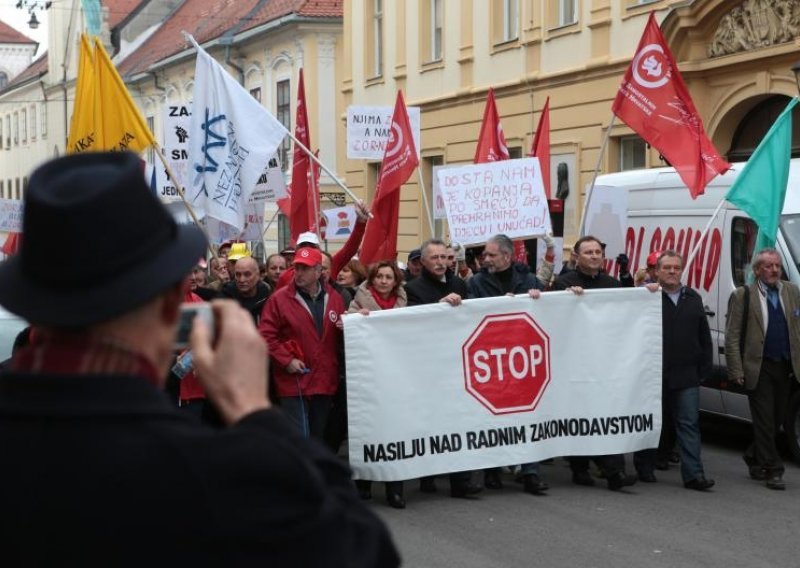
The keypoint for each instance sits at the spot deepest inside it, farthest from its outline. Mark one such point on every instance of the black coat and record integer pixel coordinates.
(485, 284)
(585, 281)
(428, 289)
(103, 471)
(688, 353)
(253, 304)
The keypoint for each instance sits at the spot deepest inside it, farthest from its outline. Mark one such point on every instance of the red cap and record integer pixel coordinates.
(652, 258)
(308, 256)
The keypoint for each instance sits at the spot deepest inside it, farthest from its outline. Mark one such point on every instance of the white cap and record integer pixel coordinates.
(308, 237)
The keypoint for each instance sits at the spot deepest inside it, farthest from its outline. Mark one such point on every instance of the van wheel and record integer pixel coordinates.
(792, 426)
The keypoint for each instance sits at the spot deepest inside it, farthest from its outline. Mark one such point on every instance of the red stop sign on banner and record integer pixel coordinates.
(507, 363)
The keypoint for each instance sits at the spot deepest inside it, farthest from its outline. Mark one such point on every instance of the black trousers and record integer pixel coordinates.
(609, 465)
(768, 402)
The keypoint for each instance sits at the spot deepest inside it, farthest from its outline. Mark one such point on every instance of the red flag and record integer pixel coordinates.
(399, 161)
(492, 148)
(12, 244)
(654, 101)
(491, 142)
(541, 146)
(299, 220)
(313, 196)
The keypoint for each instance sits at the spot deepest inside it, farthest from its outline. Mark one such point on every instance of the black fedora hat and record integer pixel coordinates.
(96, 243)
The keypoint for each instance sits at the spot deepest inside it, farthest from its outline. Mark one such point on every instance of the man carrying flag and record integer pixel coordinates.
(762, 339)
(654, 101)
(399, 161)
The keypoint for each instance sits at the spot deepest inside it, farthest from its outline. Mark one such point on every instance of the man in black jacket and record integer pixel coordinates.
(97, 466)
(247, 288)
(437, 284)
(588, 275)
(688, 356)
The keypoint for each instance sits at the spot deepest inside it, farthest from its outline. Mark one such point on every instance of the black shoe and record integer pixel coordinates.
(662, 464)
(533, 485)
(647, 476)
(427, 485)
(395, 500)
(619, 480)
(465, 490)
(756, 471)
(674, 457)
(776, 482)
(364, 489)
(491, 479)
(582, 478)
(699, 484)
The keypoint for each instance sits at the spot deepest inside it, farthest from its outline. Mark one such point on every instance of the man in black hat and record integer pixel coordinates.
(414, 266)
(97, 466)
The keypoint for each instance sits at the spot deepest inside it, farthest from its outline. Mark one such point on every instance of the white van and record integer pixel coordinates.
(662, 215)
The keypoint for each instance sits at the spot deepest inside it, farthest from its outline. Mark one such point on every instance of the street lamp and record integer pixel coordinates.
(34, 22)
(796, 71)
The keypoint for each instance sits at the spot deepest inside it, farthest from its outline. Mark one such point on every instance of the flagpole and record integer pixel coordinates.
(699, 242)
(269, 224)
(425, 200)
(183, 196)
(594, 177)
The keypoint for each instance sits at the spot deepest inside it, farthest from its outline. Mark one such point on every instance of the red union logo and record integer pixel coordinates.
(507, 363)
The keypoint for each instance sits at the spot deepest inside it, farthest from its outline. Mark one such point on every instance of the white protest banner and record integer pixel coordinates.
(486, 199)
(175, 144)
(231, 139)
(439, 210)
(339, 223)
(502, 381)
(11, 215)
(271, 185)
(368, 130)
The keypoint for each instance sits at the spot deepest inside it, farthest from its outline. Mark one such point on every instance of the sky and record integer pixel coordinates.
(18, 19)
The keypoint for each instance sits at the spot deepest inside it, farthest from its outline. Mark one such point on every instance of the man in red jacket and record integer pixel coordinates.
(298, 323)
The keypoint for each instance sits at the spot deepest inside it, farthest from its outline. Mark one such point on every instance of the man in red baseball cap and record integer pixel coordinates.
(298, 324)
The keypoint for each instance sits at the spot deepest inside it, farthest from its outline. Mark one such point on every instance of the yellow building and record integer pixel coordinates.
(735, 57)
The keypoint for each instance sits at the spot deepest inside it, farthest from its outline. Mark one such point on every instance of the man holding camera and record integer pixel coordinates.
(97, 465)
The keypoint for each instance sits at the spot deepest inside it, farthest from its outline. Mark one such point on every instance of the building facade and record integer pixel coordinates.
(734, 55)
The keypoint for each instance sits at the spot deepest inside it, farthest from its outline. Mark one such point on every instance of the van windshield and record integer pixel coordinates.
(790, 228)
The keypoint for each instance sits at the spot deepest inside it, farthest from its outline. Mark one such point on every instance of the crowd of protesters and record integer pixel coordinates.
(303, 293)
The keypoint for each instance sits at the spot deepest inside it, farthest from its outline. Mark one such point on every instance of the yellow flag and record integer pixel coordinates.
(82, 127)
(122, 127)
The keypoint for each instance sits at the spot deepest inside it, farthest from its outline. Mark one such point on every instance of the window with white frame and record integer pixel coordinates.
(8, 131)
(33, 123)
(567, 12)
(377, 38)
(2, 141)
(255, 92)
(632, 153)
(437, 13)
(44, 120)
(510, 19)
(283, 112)
(24, 125)
(16, 129)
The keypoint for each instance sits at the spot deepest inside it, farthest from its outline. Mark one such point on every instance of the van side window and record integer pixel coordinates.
(790, 229)
(743, 239)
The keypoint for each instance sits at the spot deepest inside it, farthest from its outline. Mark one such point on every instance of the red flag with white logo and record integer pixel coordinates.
(491, 141)
(399, 161)
(299, 219)
(654, 101)
(541, 146)
(492, 148)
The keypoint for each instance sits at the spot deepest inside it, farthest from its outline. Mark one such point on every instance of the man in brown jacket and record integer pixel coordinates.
(764, 360)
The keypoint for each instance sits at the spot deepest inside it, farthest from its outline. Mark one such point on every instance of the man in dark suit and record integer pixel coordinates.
(97, 466)
(765, 358)
(437, 284)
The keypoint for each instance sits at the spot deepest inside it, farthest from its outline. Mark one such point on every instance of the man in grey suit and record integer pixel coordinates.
(763, 360)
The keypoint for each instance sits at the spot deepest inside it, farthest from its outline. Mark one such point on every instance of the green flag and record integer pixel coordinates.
(760, 189)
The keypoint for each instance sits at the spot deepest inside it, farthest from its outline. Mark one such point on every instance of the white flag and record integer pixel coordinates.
(231, 140)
